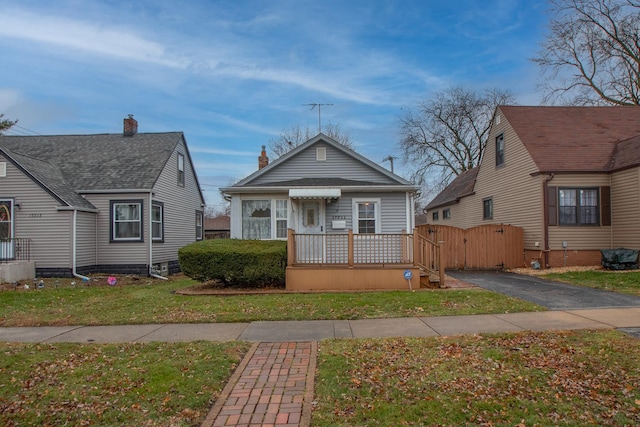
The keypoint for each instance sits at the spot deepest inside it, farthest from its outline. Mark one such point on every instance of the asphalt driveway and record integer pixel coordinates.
(549, 294)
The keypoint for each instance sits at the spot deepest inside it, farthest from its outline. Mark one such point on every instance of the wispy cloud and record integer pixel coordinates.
(85, 36)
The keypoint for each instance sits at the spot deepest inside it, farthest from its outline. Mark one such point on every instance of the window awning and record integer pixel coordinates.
(315, 193)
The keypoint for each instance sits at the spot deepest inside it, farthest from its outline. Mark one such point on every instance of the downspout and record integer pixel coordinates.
(74, 246)
(545, 203)
(151, 273)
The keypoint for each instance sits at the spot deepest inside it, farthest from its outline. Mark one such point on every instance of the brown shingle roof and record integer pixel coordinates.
(573, 139)
(222, 222)
(460, 187)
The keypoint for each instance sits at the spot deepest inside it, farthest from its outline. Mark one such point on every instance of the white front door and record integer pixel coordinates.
(311, 225)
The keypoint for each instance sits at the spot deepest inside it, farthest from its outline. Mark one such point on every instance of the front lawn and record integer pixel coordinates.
(155, 384)
(627, 282)
(575, 378)
(157, 303)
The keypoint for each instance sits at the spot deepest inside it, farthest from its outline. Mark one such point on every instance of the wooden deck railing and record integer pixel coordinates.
(350, 249)
(428, 256)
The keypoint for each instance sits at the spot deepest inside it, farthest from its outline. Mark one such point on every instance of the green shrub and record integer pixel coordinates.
(234, 262)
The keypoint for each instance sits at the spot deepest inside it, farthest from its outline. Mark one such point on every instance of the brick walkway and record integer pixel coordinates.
(273, 386)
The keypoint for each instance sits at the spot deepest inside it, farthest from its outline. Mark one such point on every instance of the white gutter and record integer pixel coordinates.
(151, 273)
(75, 244)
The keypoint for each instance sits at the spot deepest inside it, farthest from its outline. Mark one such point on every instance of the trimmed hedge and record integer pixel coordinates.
(235, 262)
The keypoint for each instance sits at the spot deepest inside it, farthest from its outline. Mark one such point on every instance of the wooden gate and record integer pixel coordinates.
(488, 246)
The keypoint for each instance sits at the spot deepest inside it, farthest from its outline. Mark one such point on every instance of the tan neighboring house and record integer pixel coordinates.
(569, 176)
(107, 203)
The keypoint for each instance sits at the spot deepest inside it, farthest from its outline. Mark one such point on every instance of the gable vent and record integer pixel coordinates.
(3, 169)
(321, 154)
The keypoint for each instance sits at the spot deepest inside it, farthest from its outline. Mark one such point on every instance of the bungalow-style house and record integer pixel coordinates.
(569, 176)
(108, 203)
(345, 217)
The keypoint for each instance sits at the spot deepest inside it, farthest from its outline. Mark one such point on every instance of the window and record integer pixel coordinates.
(265, 219)
(281, 219)
(199, 221)
(126, 221)
(181, 170)
(446, 213)
(435, 216)
(578, 206)
(499, 150)
(157, 221)
(487, 208)
(367, 216)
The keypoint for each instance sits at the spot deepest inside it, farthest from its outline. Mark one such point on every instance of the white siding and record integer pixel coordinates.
(625, 207)
(337, 165)
(38, 219)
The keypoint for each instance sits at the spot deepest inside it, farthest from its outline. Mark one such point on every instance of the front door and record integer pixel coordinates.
(6, 229)
(311, 225)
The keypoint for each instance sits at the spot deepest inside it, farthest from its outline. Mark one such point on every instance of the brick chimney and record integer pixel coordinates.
(263, 160)
(130, 126)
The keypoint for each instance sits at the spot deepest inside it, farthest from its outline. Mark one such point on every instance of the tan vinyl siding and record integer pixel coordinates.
(180, 205)
(517, 195)
(580, 237)
(38, 219)
(625, 206)
(86, 239)
(337, 165)
(120, 252)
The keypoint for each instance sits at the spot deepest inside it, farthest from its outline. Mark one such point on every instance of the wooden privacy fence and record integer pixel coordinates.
(488, 246)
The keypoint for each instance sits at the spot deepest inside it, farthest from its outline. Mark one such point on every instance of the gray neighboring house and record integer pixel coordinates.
(109, 203)
(320, 187)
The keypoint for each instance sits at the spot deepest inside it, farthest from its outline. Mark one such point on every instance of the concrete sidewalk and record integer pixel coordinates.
(316, 330)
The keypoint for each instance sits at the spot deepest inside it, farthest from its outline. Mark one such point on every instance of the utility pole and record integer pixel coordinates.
(314, 105)
(389, 158)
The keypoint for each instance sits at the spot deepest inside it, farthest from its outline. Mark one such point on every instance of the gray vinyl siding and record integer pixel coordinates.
(580, 237)
(393, 214)
(86, 254)
(38, 219)
(121, 252)
(180, 205)
(337, 165)
(625, 207)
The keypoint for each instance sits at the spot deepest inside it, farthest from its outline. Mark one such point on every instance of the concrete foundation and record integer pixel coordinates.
(17, 271)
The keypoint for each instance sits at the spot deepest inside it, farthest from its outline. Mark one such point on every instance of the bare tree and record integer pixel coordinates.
(294, 136)
(448, 134)
(592, 53)
(6, 124)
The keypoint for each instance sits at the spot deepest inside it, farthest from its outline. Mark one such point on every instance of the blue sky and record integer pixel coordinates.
(233, 74)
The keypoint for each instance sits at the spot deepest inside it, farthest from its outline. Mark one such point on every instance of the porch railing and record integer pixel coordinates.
(350, 249)
(14, 249)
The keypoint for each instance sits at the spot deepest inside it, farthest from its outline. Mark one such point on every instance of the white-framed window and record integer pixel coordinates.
(199, 227)
(126, 221)
(181, 169)
(266, 219)
(157, 221)
(282, 215)
(366, 216)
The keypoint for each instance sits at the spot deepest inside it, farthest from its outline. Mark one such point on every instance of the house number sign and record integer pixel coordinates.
(35, 215)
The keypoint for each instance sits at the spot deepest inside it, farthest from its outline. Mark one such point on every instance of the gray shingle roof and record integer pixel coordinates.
(67, 164)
